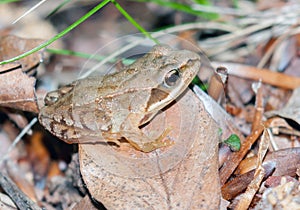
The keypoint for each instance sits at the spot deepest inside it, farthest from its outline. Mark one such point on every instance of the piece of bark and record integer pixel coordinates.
(19, 198)
(239, 184)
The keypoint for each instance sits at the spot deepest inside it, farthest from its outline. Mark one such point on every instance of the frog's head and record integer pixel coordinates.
(177, 68)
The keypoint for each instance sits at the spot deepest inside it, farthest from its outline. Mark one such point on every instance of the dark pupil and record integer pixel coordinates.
(172, 77)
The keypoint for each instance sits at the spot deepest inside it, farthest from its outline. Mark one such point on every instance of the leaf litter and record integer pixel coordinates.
(264, 41)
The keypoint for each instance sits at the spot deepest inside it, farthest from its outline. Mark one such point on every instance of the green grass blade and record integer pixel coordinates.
(58, 8)
(202, 2)
(182, 7)
(235, 3)
(7, 1)
(132, 21)
(86, 55)
(73, 53)
(61, 34)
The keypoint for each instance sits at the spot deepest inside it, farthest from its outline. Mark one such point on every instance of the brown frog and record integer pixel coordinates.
(113, 107)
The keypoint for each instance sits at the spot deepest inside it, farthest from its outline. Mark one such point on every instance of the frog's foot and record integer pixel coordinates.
(111, 138)
(149, 146)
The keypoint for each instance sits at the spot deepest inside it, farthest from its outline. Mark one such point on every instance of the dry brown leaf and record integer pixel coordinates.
(274, 181)
(286, 160)
(16, 86)
(8, 67)
(19, 119)
(217, 84)
(12, 46)
(238, 184)
(284, 196)
(234, 158)
(291, 110)
(32, 25)
(265, 4)
(17, 91)
(230, 160)
(183, 176)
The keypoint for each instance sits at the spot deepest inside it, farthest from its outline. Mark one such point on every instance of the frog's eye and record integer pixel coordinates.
(51, 98)
(172, 77)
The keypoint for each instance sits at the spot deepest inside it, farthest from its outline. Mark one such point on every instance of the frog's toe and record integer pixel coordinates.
(158, 143)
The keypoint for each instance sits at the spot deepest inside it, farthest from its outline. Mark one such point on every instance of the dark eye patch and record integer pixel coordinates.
(156, 96)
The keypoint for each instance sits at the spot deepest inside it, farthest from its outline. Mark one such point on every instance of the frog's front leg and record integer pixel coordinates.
(132, 133)
(143, 143)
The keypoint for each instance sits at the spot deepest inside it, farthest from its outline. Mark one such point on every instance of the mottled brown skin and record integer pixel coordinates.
(108, 108)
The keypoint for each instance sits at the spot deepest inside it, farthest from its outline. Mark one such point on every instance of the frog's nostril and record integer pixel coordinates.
(190, 62)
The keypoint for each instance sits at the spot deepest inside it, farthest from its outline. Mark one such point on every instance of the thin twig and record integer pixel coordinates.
(268, 77)
(259, 105)
(18, 138)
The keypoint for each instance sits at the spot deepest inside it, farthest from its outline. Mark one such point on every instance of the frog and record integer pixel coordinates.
(113, 108)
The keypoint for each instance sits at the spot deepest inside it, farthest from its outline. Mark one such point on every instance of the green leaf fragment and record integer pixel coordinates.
(233, 142)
